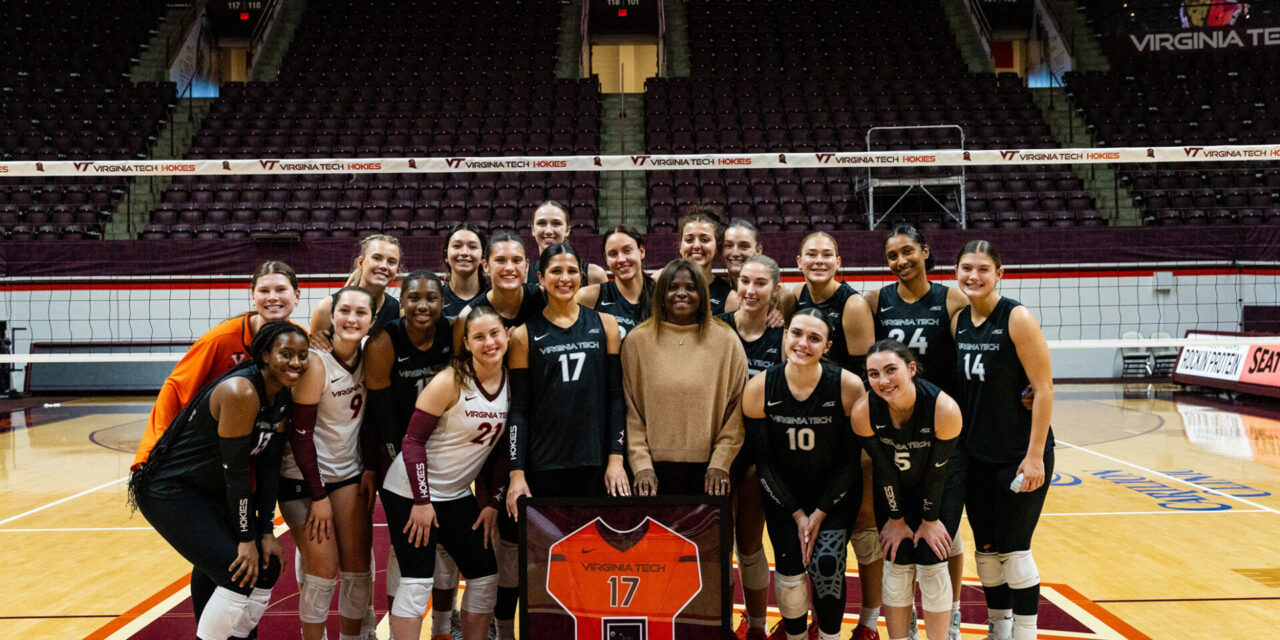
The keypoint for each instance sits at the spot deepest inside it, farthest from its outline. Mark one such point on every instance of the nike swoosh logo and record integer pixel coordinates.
(402, 359)
(885, 308)
(773, 403)
(606, 304)
(589, 550)
(537, 338)
(470, 398)
(961, 331)
(335, 379)
(940, 464)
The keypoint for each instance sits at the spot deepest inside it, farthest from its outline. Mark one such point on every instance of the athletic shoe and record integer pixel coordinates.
(863, 632)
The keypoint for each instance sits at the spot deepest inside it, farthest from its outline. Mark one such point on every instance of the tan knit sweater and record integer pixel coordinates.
(684, 401)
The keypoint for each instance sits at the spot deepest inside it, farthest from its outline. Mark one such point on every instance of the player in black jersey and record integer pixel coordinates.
(819, 262)
(918, 313)
(209, 484)
(1000, 349)
(514, 299)
(798, 420)
(700, 244)
(375, 268)
(909, 428)
(629, 296)
(568, 417)
(758, 287)
(398, 363)
(741, 241)
(463, 251)
(551, 226)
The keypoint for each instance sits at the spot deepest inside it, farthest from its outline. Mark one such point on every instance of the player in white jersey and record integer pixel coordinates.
(456, 422)
(323, 474)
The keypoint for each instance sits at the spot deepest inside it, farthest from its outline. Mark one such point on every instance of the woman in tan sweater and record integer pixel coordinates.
(683, 374)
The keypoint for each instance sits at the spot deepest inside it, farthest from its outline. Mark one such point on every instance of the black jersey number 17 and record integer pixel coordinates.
(577, 359)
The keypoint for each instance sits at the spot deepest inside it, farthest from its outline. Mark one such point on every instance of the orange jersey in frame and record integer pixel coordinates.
(643, 576)
(215, 353)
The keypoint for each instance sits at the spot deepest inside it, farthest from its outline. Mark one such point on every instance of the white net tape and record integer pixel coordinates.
(653, 162)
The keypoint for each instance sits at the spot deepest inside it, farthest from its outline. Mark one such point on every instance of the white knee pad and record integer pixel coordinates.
(393, 572)
(866, 546)
(957, 546)
(481, 595)
(411, 598)
(299, 571)
(314, 597)
(791, 594)
(446, 574)
(508, 556)
(935, 587)
(224, 613)
(900, 585)
(1020, 570)
(754, 568)
(989, 570)
(254, 608)
(354, 594)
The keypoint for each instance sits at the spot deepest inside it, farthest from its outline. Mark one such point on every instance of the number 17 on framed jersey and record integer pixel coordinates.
(624, 585)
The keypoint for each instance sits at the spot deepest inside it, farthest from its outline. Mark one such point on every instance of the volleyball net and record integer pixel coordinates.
(1100, 290)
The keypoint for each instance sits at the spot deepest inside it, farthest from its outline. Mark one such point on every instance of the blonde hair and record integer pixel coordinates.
(353, 280)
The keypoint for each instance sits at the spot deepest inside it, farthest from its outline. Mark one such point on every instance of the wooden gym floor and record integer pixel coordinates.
(1161, 524)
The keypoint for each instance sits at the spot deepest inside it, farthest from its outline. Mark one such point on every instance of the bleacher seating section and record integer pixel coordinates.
(437, 79)
(65, 94)
(782, 76)
(1180, 99)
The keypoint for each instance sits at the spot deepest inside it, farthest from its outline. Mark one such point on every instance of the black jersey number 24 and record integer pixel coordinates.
(917, 343)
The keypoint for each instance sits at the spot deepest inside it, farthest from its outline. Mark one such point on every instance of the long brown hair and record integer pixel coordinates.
(462, 362)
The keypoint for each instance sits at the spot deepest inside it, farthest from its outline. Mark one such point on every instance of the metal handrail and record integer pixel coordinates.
(981, 22)
(174, 41)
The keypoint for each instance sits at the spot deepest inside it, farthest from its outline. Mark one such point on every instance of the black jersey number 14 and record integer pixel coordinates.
(975, 368)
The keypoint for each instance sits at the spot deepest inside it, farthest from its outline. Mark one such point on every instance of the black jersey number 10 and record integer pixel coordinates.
(800, 438)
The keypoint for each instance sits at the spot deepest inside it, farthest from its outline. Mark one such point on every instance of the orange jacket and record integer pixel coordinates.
(214, 354)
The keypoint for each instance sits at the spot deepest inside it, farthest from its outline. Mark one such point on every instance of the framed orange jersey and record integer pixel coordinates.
(624, 569)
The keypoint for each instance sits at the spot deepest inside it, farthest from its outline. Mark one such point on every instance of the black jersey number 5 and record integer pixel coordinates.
(917, 342)
(577, 359)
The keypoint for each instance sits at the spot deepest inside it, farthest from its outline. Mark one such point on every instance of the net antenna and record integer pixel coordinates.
(947, 180)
